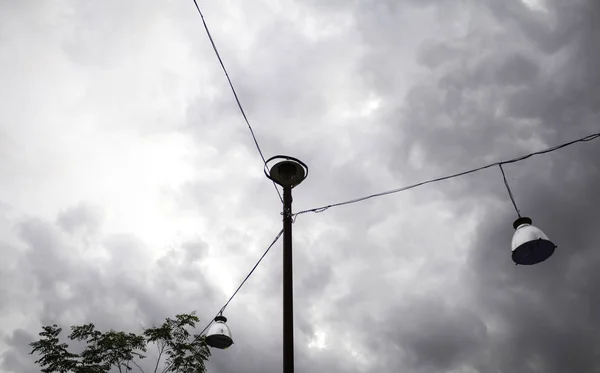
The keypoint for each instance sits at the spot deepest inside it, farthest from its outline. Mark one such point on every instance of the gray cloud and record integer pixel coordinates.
(70, 289)
(81, 217)
(373, 95)
(546, 322)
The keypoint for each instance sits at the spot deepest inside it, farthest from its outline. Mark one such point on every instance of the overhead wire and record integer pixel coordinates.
(404, 188)
(360, 199)
(397, 190)
(237, 100)
(243, 282)
(510, 194)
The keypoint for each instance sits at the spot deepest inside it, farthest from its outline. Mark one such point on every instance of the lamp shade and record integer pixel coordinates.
(288, 173)
(529, 244)
(219, 335)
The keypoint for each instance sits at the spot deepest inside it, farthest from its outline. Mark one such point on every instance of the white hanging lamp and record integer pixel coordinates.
(219, 335)
(529, 244)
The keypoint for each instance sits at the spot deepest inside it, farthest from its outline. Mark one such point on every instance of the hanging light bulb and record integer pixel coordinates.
(529, 244)
(219, 335)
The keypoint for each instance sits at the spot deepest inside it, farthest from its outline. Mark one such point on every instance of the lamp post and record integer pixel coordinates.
(288, 173)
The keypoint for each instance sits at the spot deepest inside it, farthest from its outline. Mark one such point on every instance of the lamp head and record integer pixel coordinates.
(529, 244)
(288, 173)
(219, 335)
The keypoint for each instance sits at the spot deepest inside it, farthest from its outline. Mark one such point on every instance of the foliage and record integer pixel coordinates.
(178, 350)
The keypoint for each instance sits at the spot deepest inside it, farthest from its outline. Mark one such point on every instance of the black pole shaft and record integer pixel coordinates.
(288, 289)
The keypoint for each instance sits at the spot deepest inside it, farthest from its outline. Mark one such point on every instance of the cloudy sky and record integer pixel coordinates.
(131, 189)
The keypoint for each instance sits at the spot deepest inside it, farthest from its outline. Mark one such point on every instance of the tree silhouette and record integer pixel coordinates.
(179, 351)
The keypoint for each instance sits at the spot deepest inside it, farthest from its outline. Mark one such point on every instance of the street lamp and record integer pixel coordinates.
(288, 173)
(219, 335)
(529, 244)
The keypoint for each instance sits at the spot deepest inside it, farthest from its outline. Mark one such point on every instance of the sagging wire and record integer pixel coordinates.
(237, 100)
(242, 284)
(397, 190)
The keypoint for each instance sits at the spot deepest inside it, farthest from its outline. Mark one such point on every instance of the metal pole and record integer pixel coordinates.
(288, 289)
(287, 173)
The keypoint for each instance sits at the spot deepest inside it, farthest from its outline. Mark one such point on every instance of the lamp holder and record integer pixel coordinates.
(522, 220)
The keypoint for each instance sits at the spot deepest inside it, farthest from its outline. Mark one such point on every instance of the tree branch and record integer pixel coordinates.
(160, 352)
(166, 369)
(139, 367)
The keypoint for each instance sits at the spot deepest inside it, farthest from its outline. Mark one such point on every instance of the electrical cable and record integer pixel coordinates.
(243, 282)
(360, 199)
(397, 190)
(239, 104)
(512, 198)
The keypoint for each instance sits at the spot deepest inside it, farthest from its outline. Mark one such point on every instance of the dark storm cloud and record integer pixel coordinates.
(512, 81)
(490, 100)
(16, 359)
(434, 335)
(488, 95)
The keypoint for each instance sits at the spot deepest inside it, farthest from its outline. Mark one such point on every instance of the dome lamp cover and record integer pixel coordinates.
(529, 244)
(219, 335)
